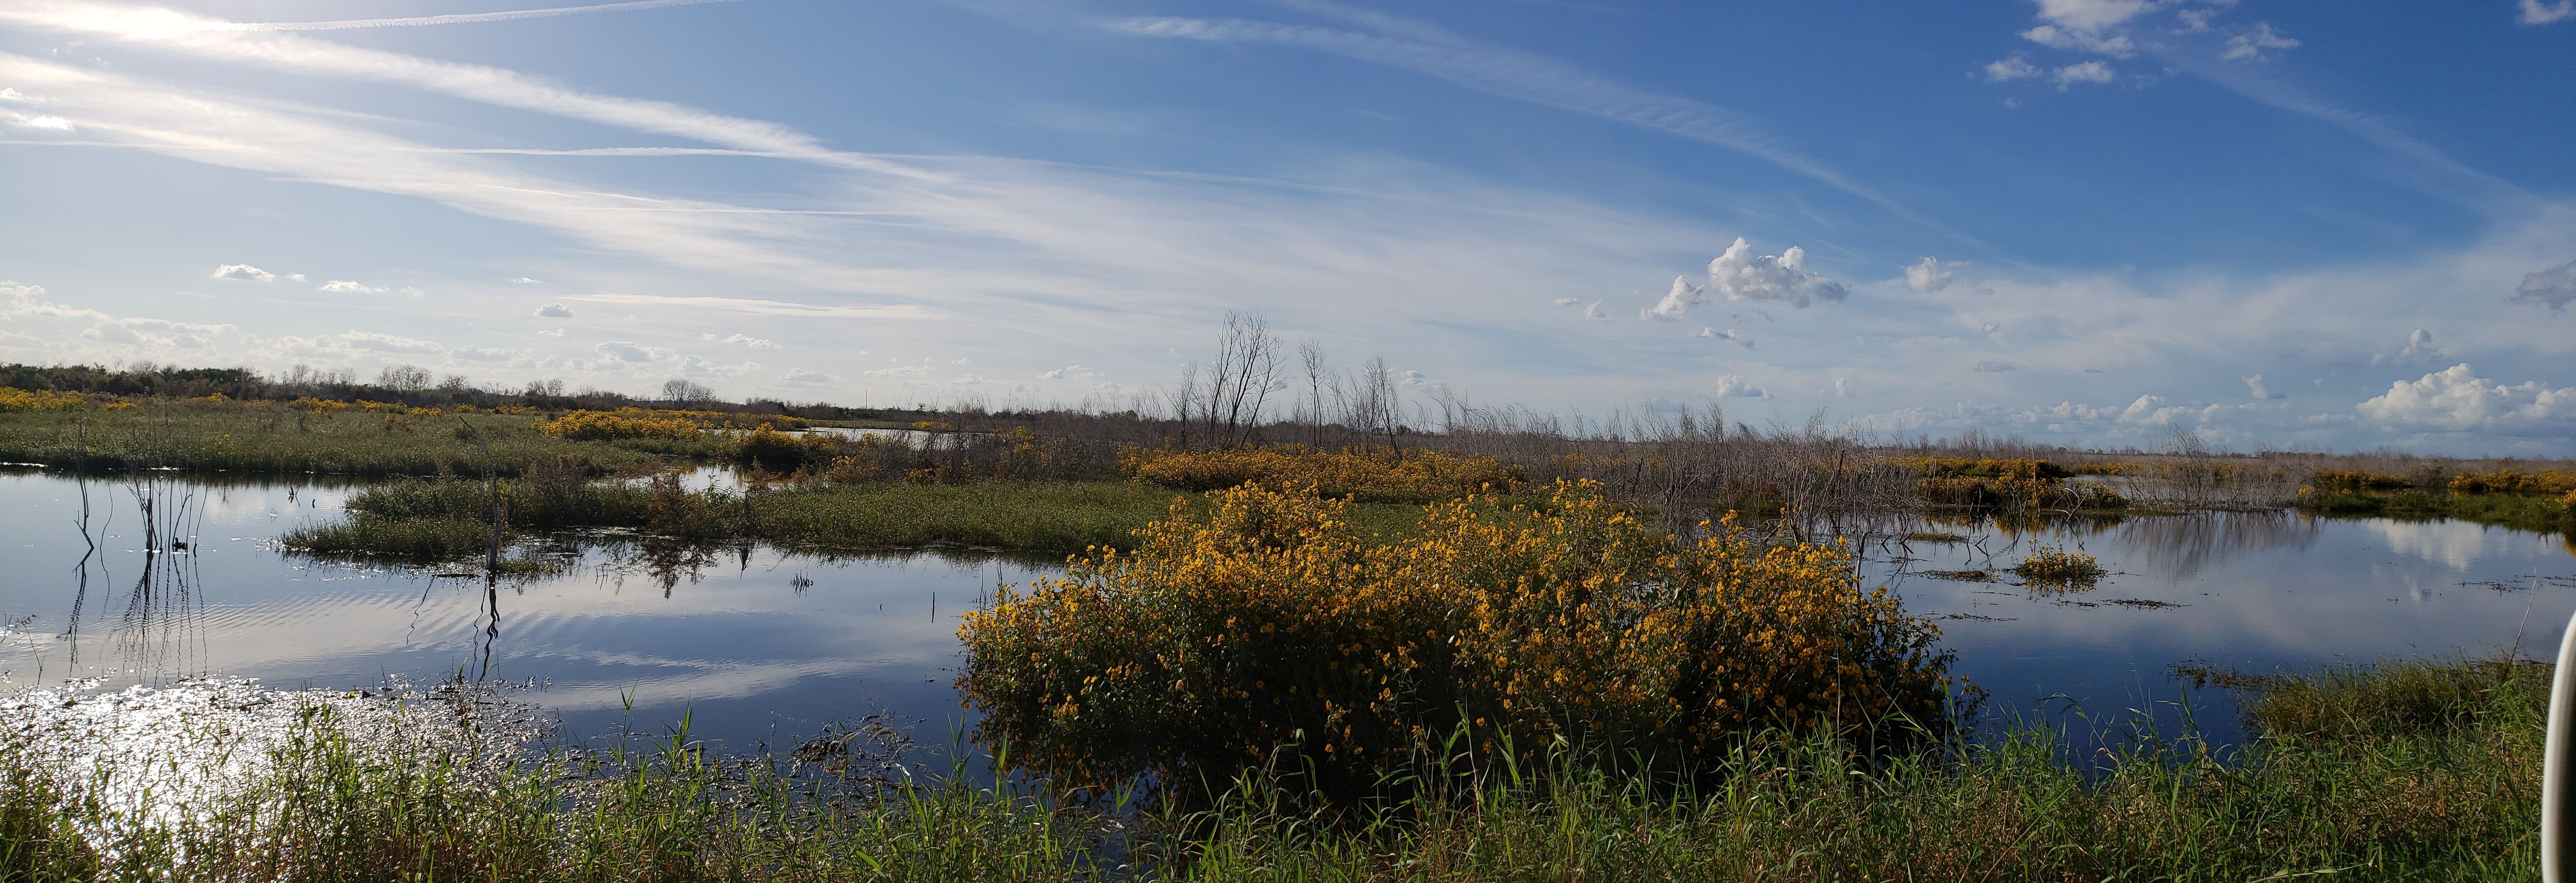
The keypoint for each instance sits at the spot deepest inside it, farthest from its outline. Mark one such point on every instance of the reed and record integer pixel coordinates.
(2360, 783)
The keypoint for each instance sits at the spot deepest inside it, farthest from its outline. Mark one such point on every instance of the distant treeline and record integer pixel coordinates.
(407, 384)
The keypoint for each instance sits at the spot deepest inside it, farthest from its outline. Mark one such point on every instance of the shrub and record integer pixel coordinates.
(783, 452)
(2507, 481)
(1384, 476)
(1262, 622)
(2050, 564)
(2009, 484)
(2353, 481)
(12, 399)
(622, 423)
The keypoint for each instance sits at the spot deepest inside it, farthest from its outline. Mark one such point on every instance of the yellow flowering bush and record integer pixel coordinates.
(621, 423)
(1369, 475)
(1262, 622)
(309, 403)
(14, 399)
(2056, 566)
(2551, 482)
(781, 451)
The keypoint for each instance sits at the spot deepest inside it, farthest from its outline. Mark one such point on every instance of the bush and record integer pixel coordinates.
(2353, 481)
(783, 452)
(2549, 483)
(622, 423)
(2049, 564)
(1263, 629)
(12, 399)
(1382, 476)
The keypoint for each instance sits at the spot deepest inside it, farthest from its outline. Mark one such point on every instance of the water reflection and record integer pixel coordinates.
(755, 642)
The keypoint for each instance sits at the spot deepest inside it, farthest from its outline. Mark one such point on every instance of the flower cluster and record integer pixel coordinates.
(13, 399)
(1263, 623)
(1386, 476)
(2549, 483)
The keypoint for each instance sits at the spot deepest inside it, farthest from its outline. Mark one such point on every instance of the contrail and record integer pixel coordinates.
(462, 18)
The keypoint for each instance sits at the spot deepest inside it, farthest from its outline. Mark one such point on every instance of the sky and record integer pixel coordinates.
(2268, 224)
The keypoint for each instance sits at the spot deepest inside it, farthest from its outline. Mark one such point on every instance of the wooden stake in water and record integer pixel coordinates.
(2558, 768)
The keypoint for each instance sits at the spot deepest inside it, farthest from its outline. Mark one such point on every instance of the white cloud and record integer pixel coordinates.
(554, 311)
(346, 286)
(967, 380)
(1596, 313)
(1740, 274)
(2249, 46)
(523, 280)
(2013, 68)
(1730, 385)
(14, 96)
(1507, 72)
(51, 123)
(2419, 350)
(110, 332)
(2093, 15)
(551, 332)
(1677, 301)
(1067, 372)
(2552, 288)
(242, 273)
(749, 341)
(2535, 12)
(2254, 388)
(2086, 72)
(1930, 275)
(387, 343)
(803, 377)
(1991, 366)
(1568, 301)
(1729, 334)
(482, 354)
(630, 351)
(2455, 398)
(2054, 37)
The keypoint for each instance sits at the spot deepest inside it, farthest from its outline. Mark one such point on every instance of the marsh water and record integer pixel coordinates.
(752, 645)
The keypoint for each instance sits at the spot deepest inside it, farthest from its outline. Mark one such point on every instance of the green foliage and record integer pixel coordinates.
(2531, 513)
(269, 438)
(2391, 795)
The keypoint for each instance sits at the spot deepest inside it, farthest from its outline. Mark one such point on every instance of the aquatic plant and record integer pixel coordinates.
(1262, 629)
(2050, 564)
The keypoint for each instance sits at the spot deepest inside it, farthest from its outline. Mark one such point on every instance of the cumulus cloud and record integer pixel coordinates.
(1568, 301)
(2094, 15)
(1931, 274)
(2249, 45)
(757, 343)
(2054, 37)
(1730, 385)
(2535, 12)
(2419, 350)
(523, 280)
(2552, 288)
(1740, 274)
(2085, 72)
(554, 311)
(1067, 372)
(2014, 68)
(110, 332)
(551, 332)
(482, 354)
(2254, 387)
(803, 377)
(1677, 301)
(348, 286)
(630, 351)
(2455, 398)
(1729, 334)
(1596, 313)
(242, 273)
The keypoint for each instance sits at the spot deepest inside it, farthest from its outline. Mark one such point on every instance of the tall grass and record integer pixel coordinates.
(269, 438)
(2356, 783)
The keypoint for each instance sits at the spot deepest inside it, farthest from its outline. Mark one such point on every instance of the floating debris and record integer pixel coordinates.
(1965, 576)
(2143, 603)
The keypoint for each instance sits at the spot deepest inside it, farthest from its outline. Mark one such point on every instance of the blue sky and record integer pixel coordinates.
(2088, 221)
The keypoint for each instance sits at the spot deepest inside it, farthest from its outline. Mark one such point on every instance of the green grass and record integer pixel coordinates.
(275, 439)
(449, 519)
(2535, 514)
(2351, 779)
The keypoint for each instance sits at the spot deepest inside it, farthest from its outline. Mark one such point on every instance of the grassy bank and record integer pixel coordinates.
(277, 439)
(2532, 513)
(2400, 772)
(439, 520)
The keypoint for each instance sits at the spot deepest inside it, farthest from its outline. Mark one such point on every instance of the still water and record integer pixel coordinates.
(754, 645)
